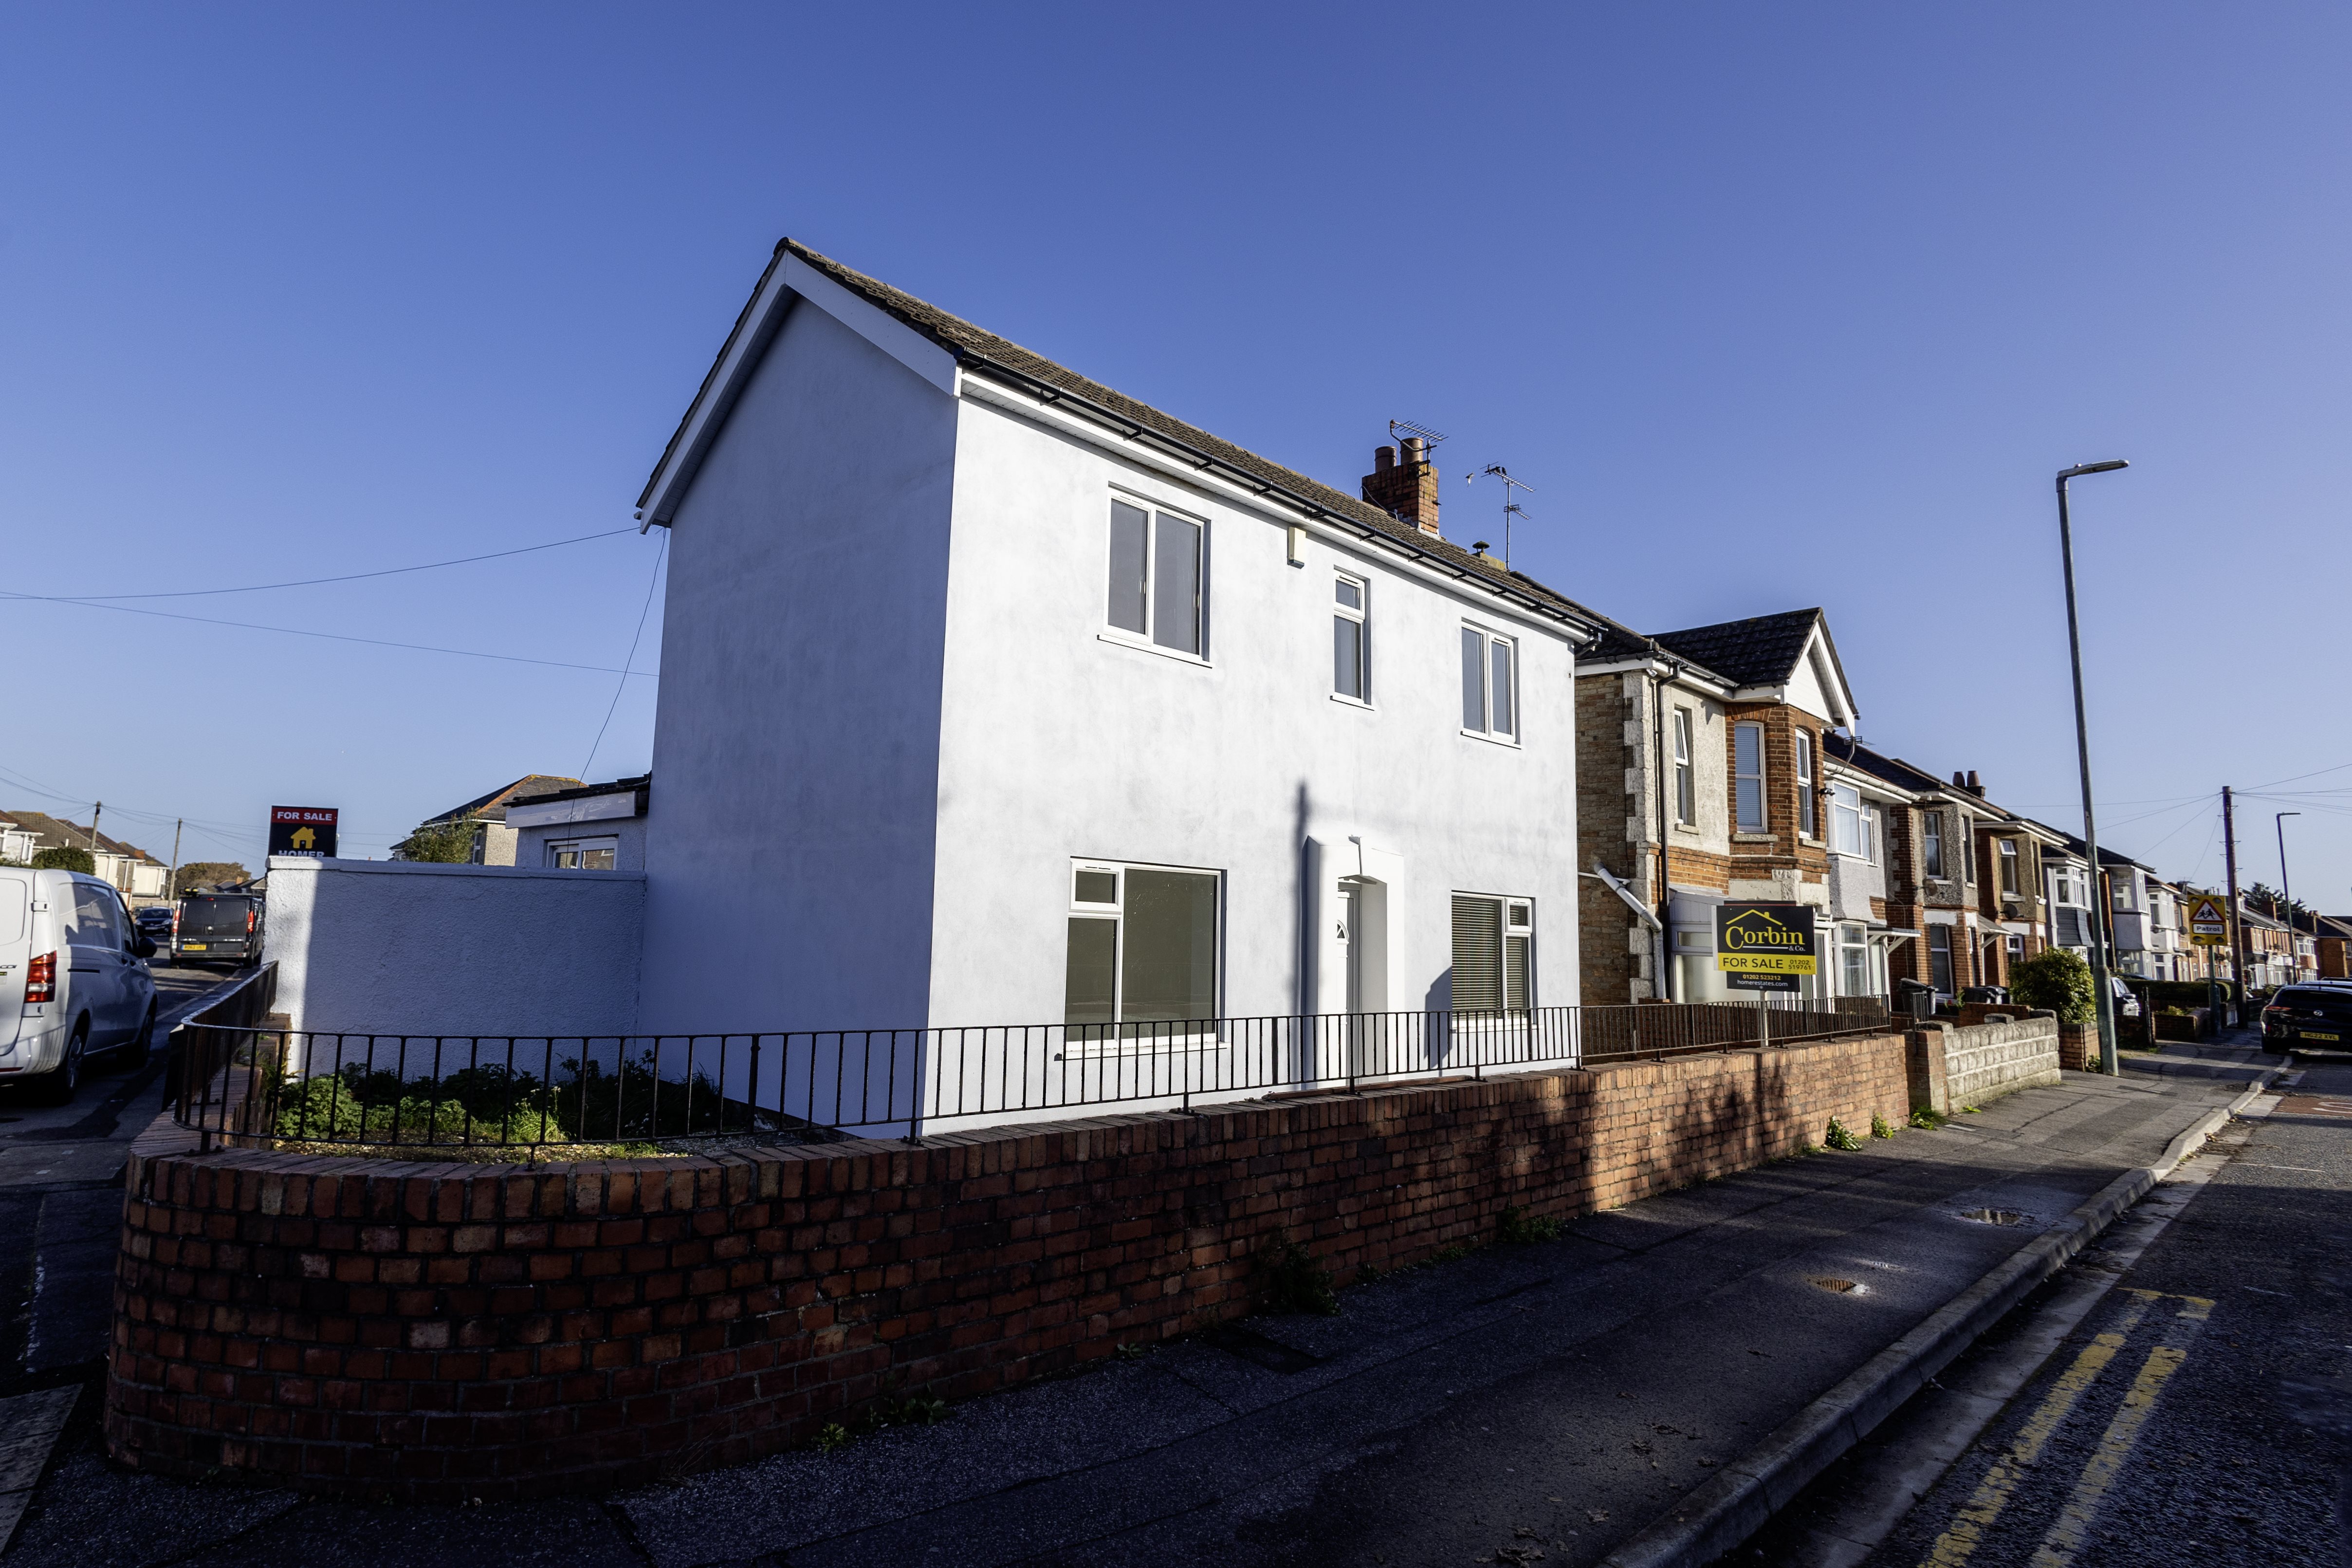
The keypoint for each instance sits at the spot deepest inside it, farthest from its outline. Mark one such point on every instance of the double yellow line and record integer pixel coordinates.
(2067, 1536)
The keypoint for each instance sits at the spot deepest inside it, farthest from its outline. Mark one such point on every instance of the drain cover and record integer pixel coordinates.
(1994, 1217)
(1842, 1287)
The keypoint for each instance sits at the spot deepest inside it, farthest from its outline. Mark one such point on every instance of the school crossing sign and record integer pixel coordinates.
(1765, 947)
(2209, 923)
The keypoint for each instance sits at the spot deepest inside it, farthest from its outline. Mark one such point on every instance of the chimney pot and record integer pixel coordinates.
(1975, 785)
(1959, 779)
(1384, 458)
(1403, 483)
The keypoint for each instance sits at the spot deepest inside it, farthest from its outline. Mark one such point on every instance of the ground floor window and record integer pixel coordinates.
(1939, 958)
(1143, 946)
(583, 854)
(1493, 954)
(1853, 960)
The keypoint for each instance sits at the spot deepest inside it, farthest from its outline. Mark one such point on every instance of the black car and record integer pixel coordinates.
(155, 920)
(2308, 1016)
(219, 927)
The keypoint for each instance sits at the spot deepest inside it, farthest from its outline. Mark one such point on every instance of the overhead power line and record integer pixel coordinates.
(314, 582)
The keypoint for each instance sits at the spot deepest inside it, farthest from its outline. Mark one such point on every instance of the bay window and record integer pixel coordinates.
(2008, 867)
(1748, 777)
(1808, 818)
(1933, 827)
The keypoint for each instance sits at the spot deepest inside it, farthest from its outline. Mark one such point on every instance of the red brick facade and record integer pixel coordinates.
(441, 1332)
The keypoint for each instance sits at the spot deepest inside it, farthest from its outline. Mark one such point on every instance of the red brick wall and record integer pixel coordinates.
(439, 1331)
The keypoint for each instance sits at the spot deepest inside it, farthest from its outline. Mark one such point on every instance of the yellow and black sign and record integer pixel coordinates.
(2209, 923)
(1765, 947)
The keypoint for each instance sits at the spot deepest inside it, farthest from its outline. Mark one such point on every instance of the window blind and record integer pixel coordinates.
(1477, 955)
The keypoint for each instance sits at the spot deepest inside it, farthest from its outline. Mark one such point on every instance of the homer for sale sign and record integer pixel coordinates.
(303, 830)
(1765, 947)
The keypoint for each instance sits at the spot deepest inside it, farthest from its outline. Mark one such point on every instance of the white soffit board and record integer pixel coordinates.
(561, 813)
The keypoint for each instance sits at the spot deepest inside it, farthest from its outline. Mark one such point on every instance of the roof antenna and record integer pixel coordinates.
(1428, 437)
(1511, 507)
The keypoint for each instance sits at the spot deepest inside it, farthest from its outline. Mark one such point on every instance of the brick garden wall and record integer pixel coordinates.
(440, 1331)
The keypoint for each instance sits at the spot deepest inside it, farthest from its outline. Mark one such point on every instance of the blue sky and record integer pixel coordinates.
(1775, 306)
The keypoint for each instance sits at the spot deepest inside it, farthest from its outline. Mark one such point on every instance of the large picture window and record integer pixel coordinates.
(1155, 576)
(1493, 954)
(1143, 947)
(1748, 777)
(1352, 670)
(1489, 684)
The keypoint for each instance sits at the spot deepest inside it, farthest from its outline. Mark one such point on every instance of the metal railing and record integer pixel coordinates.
(472, 1090)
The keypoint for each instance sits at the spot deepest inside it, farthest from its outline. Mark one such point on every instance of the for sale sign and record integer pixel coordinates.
(1765, 947)
(303, 830)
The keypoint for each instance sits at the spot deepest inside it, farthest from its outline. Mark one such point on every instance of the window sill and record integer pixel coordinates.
(1690, 828)
(1505, 741)
(1756, 838)
(1141, 646)
(1347, 702)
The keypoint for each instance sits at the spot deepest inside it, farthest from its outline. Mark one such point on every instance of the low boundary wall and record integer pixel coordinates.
(448, 1331)
(1953, 1064)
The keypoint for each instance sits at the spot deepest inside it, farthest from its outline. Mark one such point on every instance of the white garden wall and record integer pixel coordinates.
(400, 947)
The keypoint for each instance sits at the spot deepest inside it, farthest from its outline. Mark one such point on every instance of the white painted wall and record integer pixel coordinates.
(1057, 744)
(409, 947)
(790, 862)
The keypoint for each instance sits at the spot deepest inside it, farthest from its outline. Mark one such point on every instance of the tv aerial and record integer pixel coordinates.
(1511, 507)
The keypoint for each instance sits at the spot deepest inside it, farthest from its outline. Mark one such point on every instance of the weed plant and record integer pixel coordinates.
(1295, 1282)
(1837, 1137)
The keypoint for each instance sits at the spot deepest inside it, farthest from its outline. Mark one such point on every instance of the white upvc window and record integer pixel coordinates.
(1493, 954)
(1352, 651)
(583, 854)
(1853, 960)
(2009, 884)
(1157, 567)
(1748, 777)
(1851, 824)
(1490, 684)
(1933, 831)
(1809, 822)
(1143, 945)
(1685, 775)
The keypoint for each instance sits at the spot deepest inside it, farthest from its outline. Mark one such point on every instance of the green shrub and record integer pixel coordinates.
(1927, 1119)
(450, 843)
(1515, 1226)
(1837, 1137)
(64, 858)
(1880, 1127)
(1295, 1282)
(596, 1104)
(2055, 978)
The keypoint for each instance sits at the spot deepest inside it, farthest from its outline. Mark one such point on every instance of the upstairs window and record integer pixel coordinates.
(1807, 811)
(1748, 777)
(583, 854)
(1494, 951)
(1686, 780)
(1351, 673)
(1143, 948)
(1489, 684)
(2008, 867)
(1155, 576)
(1933, 828)
(1848, 823)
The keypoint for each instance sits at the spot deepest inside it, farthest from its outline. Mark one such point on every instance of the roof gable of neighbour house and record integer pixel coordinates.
(57, 833)
(1788, 657)
(492, 807)
(944, 349)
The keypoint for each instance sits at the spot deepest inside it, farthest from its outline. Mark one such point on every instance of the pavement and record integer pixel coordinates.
(1527, 1403)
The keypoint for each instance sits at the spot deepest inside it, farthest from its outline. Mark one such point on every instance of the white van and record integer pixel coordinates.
(73, 979)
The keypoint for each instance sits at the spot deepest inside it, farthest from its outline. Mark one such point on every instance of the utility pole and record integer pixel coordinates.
(2237, 926)
(172, 884)
(2286, 898)
(96, 807)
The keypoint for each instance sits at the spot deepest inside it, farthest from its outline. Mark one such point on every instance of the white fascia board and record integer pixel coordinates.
(1271, 508)
(1870, 787)
(612, 807)
(1660, 669)
(1831, 678)
(792, 279)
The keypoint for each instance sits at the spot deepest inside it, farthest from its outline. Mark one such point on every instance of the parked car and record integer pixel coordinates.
(73, 979)
(219, 927)
(154, 920)
(2308, 1014)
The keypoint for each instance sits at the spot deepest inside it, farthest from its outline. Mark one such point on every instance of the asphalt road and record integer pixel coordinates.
(2200, 1414)
(61, 1198)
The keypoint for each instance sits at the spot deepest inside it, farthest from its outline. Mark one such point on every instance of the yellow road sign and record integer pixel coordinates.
(2208, 922)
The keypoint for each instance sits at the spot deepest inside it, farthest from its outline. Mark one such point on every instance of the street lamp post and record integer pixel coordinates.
(2102, 911)
(2286, 898)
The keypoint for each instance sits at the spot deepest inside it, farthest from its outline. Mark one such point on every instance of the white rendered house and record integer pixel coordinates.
(989, 696)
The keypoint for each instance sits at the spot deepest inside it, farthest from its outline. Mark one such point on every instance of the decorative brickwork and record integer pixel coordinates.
(441, 1332)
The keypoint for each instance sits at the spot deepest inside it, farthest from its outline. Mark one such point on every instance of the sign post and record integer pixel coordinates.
(1764, 948)
(303, 830)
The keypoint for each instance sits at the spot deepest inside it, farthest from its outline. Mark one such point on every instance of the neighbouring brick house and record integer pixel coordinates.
(2012, 902)
(1939, 932)
(1720, 794)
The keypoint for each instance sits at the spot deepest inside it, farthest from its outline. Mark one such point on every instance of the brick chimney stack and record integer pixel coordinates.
(1405, 487)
